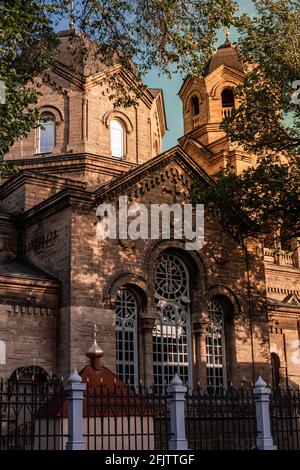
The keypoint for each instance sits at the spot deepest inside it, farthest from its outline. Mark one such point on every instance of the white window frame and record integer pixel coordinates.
(117, 149)
(51, 119)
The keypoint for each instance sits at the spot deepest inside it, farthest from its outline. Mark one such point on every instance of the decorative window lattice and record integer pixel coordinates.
(126, 337)
(215, 348)
(172, 331)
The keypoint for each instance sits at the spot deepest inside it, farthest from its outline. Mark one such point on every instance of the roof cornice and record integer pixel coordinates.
(87, 83)
(77, 161)
(235, 73)
(177, 154)
(66, 198)
(15, 182)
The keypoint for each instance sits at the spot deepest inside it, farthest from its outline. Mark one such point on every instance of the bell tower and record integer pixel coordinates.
(206, 102)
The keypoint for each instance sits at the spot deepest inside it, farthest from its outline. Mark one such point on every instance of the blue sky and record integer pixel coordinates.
(171, 87)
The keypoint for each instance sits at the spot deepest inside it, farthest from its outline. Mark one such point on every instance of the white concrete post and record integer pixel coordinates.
(264, 440)
(176, 392)
(75, 390)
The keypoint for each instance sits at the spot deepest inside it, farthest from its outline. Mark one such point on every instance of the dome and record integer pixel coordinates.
(227, 54)
(78, 53)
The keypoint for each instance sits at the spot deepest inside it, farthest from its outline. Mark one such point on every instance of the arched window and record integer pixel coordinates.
(126, 337)
(29, 374)
(195, 106)
(215, 348)
(117, 138)
(227, 98)
(2, 352)
(275, 371)
(46, 134)
(172, 331)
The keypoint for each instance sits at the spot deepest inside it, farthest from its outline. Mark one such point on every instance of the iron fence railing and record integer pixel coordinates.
(223, 422)
(121, 419)
(285, 418)
(34, 416)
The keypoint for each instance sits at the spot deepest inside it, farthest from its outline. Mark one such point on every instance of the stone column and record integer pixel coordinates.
(296, 252)
(202, 368)
(177, 391)
(75, 390)
(200, 353)
(197, 353)
(147, 325)
(264, 440)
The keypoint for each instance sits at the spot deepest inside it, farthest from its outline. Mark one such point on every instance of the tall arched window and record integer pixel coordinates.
(172, 331)
(215, 348)
(227, 98)
(46, 134)
(117, 138)
(195, 106)
(275, 361)
(2, 352)
(126, 337)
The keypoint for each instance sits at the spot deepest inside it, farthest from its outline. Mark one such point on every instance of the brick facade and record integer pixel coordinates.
(58, 279)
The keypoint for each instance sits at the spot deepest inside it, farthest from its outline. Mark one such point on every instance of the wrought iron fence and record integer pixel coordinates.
(121, 419)
(32, 416)
(285, 418)
(226, 421)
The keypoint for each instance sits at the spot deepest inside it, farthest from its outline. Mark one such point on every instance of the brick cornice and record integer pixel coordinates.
(221, 70)
(133, 177)
(14, 183)
(68, 197)
(84, 200)
(289, 311)
(76, 161)
(288, 270)
(28, 282)
(204, 129)
(87, 83)
(6, 217)
(15, 288)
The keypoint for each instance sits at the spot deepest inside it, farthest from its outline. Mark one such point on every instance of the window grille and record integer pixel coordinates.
(172, 331)
(126, 337)
(215, 348)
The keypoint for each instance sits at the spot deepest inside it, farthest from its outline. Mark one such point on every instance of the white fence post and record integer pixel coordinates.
(75, 390)
(264, 440)
(176, 392)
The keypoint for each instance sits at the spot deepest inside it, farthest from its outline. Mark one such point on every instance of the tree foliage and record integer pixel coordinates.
(8, 169)
(267, 124)
(26, 44)
(154, 33)
(170, 35)
(137, 34)
(268, 118)
(178, 35)
(260, 200)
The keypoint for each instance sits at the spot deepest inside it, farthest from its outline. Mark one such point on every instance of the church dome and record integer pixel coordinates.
(227, 54)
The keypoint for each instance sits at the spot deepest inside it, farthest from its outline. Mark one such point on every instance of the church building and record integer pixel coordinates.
(220, 315)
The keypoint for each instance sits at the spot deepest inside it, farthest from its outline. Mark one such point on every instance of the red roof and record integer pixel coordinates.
(105, 395)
